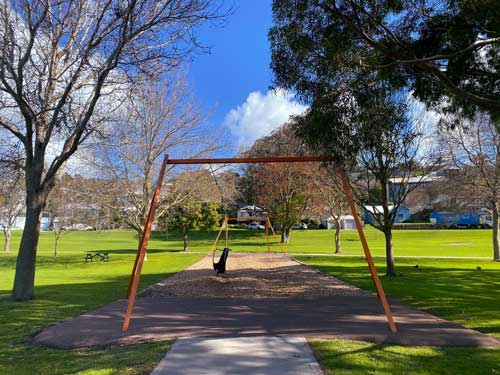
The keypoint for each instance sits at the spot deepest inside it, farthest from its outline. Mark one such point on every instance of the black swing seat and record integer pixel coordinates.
(220, 266)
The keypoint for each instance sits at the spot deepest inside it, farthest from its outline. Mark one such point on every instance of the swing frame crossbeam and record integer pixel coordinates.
(143, 243)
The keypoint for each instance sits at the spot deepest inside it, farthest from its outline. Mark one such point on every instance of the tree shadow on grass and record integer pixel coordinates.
(362, 358)
(467, 296)
(54, 303)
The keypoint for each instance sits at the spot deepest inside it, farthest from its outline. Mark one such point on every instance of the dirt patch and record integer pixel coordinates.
(251, 276)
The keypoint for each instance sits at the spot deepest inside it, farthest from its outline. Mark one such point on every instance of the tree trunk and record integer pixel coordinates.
(496, 232)
(24, 281)
(56, 243)
(185, 238)
(7, 234)
(285, 234)
(389, 256)
(338, 248)
(36, 198)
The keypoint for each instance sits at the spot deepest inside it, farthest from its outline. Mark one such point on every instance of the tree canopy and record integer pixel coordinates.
(444, 52)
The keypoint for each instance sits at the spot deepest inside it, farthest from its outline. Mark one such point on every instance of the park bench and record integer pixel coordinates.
(102, 255)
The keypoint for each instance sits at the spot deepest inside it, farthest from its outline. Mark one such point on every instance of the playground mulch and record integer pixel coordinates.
(267, 275)
(261, 294)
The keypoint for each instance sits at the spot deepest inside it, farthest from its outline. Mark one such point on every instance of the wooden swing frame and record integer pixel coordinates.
(143, 243)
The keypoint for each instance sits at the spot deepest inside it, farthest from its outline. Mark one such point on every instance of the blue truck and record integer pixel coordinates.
(455, 220)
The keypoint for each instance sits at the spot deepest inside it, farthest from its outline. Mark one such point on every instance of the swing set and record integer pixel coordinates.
(220, 267)
(141, 251)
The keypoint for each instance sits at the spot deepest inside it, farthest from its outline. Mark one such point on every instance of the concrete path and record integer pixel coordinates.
(262, 355)
(357, 317)
(261, 295)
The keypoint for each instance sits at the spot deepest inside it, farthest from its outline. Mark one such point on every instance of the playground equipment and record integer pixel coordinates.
(141, 251)
(220, 266)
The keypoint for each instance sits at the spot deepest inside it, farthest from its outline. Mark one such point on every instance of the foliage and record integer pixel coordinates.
(329, 200)
(192, 216)
(386, 145)
(442, 52)
(283, 189)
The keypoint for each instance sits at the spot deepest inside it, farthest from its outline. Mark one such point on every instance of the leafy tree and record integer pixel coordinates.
(371, 133)
(194, 216)
(281, 188)
(441, 51)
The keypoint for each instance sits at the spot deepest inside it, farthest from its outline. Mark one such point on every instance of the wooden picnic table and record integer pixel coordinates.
(102, 255)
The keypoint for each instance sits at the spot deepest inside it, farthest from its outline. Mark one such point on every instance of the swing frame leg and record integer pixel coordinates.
(141, 251)
(368, 255)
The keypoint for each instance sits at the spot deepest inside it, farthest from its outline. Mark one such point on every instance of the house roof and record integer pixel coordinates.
(416, 179)
(250, 208)
(342, 217)
(380, 209)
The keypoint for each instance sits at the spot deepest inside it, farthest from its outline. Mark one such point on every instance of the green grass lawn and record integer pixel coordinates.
(453, 243)
(457, 243)
(65, 287)
(451, 288)
(340, 357)
(469, 243)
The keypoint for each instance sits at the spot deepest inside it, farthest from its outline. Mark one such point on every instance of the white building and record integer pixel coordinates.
(346, 222)
(250, 212)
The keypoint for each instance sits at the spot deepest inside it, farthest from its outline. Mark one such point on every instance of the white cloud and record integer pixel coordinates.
(260, 114)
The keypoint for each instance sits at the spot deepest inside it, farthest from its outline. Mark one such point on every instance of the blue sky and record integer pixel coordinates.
(232, 81)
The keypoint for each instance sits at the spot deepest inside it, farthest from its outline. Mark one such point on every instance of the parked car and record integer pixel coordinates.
(256, 226)
(79, 226)
(300, 226)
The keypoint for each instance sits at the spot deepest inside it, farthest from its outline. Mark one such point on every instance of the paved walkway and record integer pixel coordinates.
(263, 355)
(358, 317)
(261, 295)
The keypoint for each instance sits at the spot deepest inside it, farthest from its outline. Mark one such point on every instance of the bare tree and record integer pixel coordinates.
(64, 206)
(329, 199)
(11, 200)
(59, 60)
(160, 118)
(474, 147)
